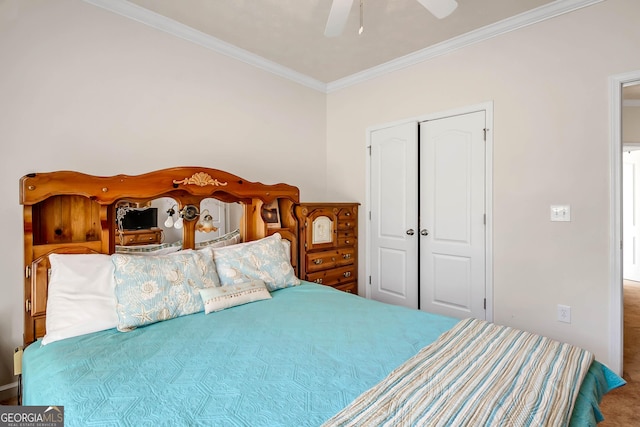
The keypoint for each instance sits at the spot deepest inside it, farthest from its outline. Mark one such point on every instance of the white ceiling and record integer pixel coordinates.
(287, 36)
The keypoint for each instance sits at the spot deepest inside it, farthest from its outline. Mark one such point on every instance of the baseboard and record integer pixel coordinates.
(8, 391)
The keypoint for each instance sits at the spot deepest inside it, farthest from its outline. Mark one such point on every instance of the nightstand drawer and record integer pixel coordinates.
(346, 225)
(346, 256)
(321, 261)
(350, 288)
(333, 277)
(346, 214)
(347, 239)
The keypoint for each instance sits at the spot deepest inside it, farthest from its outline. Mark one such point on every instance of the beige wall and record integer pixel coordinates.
(549, 85)
(84, 89)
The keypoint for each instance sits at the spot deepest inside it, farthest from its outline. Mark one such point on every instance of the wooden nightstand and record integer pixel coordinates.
(328, 236)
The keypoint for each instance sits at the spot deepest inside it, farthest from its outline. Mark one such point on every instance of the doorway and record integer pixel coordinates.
(624, 93)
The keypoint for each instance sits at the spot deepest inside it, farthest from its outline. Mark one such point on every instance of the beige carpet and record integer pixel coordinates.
(621, 407)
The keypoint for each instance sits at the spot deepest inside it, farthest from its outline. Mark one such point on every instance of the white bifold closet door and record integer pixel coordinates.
(428, 216)
(394, 215)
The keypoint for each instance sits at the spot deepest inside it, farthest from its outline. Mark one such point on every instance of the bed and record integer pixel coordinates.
(234, 338)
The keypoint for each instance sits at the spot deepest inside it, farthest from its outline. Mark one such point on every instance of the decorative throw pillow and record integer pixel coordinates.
(216, 299)
(81, 296)
(151, 289)
(263, 259)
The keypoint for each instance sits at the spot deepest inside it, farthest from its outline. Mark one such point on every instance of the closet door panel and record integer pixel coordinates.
(394, 215)
(452, 194)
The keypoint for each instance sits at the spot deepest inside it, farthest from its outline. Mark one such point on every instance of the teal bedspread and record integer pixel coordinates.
(294, 360)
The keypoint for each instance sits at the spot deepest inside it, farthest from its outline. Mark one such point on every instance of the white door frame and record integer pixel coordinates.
(616, 321)
(487, 107)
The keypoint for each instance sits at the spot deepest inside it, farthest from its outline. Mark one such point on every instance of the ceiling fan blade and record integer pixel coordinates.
(337, 17)
(440, 8)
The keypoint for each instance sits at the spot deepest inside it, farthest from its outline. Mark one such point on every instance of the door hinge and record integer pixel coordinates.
(27, 305)
(27, 271)
(369, 147)
(484, 219)
(369, 279)
(369, 215)
(485, 134)
(485, 303)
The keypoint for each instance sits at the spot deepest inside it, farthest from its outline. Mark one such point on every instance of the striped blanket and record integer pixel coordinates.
(476, 374)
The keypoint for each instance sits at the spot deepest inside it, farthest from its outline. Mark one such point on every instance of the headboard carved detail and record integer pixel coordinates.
(201, 179)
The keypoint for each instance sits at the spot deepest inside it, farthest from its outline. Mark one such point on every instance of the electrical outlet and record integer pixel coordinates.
(564, 313)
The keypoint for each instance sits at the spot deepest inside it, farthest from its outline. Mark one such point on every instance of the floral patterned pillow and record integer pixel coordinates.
(265, 259)
(151, 289)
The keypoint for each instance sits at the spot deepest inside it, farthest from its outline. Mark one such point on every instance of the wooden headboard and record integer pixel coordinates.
(72, 212)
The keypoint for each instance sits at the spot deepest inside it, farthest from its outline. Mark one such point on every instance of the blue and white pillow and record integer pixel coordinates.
(265, 259)
(151, 289)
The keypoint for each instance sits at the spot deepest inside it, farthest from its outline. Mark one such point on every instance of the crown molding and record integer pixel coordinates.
(162, 23)
(155, 20)
(542, 13)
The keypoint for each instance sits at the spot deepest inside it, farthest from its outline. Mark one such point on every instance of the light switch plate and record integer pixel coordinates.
(560, 213)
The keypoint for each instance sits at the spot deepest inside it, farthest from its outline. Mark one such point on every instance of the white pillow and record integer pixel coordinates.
(81, 296)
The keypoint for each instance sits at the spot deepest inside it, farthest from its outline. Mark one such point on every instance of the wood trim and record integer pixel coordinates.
(196, 181)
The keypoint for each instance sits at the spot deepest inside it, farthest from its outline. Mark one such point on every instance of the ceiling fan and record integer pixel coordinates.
(340, 12)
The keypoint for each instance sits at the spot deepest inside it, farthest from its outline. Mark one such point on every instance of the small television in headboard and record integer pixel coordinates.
(140, 219)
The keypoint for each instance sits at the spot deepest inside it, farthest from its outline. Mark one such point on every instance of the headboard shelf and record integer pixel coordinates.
(69, 219)
(73, 212)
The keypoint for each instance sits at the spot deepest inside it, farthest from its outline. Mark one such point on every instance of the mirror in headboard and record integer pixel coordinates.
(74, 212)
(146, 224)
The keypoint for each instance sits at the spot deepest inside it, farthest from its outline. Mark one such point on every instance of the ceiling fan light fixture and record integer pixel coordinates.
(440, 8)
(340, 10)
(361, 29)
(337, 17)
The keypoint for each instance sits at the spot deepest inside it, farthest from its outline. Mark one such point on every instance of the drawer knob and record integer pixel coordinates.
(317, 261)
(347, 214)
(346, 256)
(348, 242)
(348, 224)
(348, 291)
(347, 274)
(318, 281)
